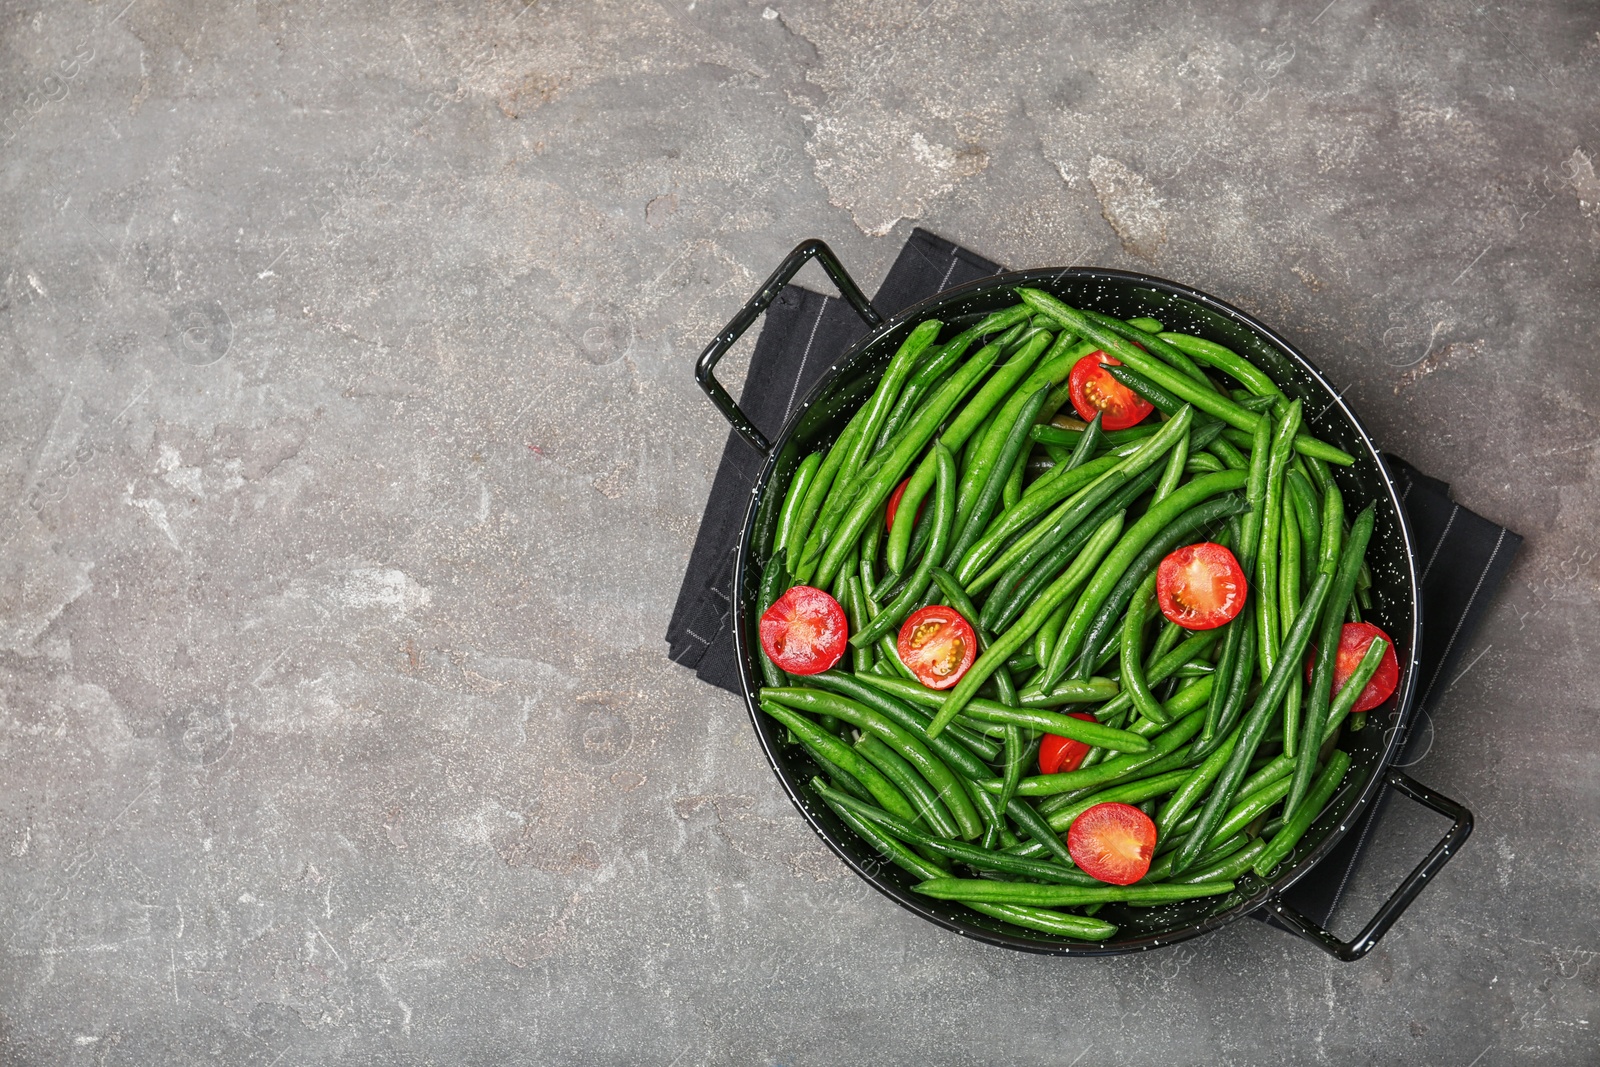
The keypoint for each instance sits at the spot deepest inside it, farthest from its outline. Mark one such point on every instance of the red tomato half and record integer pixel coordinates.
(938, 645)
(894, 503)
(1200, 587)
(1353, 642)
(1058, 755)
(1093, 391)
(805, 631)
(1113, 842)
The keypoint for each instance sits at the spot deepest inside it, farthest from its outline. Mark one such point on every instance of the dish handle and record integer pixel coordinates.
(730, 334)
(1402, 897)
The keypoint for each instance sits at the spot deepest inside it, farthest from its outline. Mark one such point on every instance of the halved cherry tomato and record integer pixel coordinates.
(1113, 842)
(1353, 641)
(894, 504)
(1093, 391)
(1200, 587)
(1058, 755)
(805, 631)
(938, 645)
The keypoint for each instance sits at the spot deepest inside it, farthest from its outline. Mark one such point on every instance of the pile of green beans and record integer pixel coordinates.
(1045, 535)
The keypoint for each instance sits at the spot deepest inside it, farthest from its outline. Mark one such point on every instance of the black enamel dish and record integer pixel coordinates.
(1396, 606)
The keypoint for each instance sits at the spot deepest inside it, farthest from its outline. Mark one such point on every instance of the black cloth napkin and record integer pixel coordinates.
(1464, 556)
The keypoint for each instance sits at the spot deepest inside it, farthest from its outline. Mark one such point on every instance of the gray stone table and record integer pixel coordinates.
(351, 455)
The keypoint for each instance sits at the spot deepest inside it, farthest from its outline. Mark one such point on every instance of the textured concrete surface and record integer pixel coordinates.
(351, 451)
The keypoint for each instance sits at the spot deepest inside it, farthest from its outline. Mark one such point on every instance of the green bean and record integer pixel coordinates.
(1238, 691)
(841, 778)
(991, 891)
(1167, 743)
(895, 613)
(1013, 487)
(1248, 809)
(1224, 870)
(1177, 461)
(1071, 354)
(1195, 786)
(889, 654)
(955, 595)
(1159, 670)
(1230, 456)
(882, 401)
(1332, 529)
(1144, 455)
(854, 605)
(963, 750)
(1090, 733)
(1053, 922)
(1035, 568)
(1087, 443)
(1025, 524)
(890, 847)
(1016, 758)
(810, 508)
(1173, 356)
(1227, 658)
(1179, 384)
(1308, 520)
(965, 379)
(1289, 604)
(954, 437)
(1296, 824)
(1282, 766)
(1051, 434)
(1162, 400)
(988, 473)
(1023, 662)
(1045, 639)
(1081, 927)
(904, 744)
(1255, 725)
(837, 752)
(952, 350)
(1121, 793)
(1225, 360)
(851, 569)
(1332, 624)
(971, 855)
(1095, 491)
(774, 580)
(1039, 555)
(871, 546)
(1032, 825)
(1203, 463)
(1171, 634)
(1072, 691)
(1133, 682)
(1157, 518)
(987, 447)
(1161, 869)
(929, 373)
(1014, 638)
(794, 498)
(1273, 770)
(898, 770)
(1269, 630)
